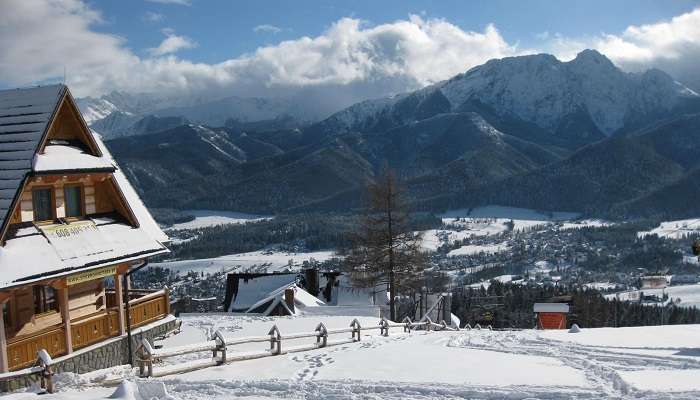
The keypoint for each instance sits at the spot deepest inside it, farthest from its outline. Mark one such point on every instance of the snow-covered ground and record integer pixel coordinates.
(675, 229)
(620, 363)
(476, 249)
(494, 220)
(682, 295)
(208, 218)
(254, 261)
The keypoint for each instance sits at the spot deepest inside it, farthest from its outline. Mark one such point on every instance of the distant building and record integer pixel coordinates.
(292, 293)
(684, 279)
(551, 315)
(652, 282)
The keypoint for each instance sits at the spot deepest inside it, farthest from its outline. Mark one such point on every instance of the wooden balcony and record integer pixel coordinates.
(144, 308)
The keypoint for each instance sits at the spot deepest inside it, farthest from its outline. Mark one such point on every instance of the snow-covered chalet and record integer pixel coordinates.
(71, 226)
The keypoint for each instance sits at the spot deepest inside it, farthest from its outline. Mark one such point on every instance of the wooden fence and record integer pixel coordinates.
(218, 344)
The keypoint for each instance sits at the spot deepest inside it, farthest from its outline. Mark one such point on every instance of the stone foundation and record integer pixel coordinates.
(110, 353)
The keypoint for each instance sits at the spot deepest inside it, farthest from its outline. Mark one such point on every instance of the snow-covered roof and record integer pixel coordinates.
(66, 158)
(143, 216)
(551, 308)
(302, 299)
(252, 290)
(38, 252)
(24, 117)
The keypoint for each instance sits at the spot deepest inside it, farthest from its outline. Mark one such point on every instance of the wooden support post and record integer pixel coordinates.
(119, 294)
(167, 300)
(64, 306)
(4, 364)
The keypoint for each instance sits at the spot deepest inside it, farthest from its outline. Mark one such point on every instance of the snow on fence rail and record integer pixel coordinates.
(218, 345)
(42, 367)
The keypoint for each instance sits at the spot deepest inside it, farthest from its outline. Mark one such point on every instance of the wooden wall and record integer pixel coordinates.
(98, 196)
(84, 299)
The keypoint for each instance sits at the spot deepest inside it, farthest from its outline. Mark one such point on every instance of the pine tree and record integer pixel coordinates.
(385, 250)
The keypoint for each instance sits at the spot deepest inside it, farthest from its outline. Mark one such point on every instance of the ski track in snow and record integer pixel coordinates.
(599, 364)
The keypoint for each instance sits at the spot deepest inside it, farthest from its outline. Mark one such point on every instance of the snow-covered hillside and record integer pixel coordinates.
(209, 218)
(539, 89)
(255, 261)
(675, 229)
(606, 363)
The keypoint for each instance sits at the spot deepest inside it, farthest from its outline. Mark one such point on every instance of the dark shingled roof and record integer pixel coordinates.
(24, 118)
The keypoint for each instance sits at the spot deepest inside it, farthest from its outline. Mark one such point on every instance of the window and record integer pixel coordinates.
(73, 196)
(42, 200)
(44, 299)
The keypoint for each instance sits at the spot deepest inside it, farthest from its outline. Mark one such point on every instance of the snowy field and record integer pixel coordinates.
(682, 295)
(494, 220)
(476, 249)
(208, 218)
(624, 363)
(675, 229)
(255, 261)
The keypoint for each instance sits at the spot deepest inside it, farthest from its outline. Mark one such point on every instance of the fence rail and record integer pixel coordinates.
(218, 345)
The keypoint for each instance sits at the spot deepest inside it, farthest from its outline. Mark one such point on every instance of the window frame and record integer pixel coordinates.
(52, 202)
(81, 200)
(42, 308)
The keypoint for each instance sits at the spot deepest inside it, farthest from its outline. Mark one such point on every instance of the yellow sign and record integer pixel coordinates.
(70, 230)
(91, 275)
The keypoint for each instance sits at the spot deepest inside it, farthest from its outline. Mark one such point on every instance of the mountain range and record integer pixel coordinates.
(528, 131)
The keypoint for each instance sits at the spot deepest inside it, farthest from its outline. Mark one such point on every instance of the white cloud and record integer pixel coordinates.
(171, 44)
(672, 46)
(364, 61)
(151, 16)
(179, 2)
(267, 28)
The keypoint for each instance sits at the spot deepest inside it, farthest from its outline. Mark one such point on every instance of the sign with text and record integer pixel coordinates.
(91, 275)
(71, 230)
(78, 242)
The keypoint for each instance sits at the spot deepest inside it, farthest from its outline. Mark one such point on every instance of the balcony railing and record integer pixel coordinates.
(88, 330)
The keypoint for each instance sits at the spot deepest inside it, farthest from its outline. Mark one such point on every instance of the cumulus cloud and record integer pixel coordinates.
(267, 28)
(672, 45)
(364, 61)
(172, 44)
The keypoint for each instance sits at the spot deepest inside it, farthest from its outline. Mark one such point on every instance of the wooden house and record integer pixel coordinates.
(70, 223)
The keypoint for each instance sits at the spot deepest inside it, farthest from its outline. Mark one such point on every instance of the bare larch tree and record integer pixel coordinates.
(384, 249)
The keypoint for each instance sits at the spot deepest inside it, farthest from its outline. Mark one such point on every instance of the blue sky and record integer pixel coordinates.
(223, 29)
(331, 53)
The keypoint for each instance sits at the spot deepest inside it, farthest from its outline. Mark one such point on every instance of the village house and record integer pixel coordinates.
(71, 227)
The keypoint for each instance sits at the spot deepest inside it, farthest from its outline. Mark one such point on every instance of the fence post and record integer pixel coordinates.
(356, 328)
(145, 351)
(322, 335)
(384, 327)
(220, 346)
(408, 324)
(45, 362)
(275, 340)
